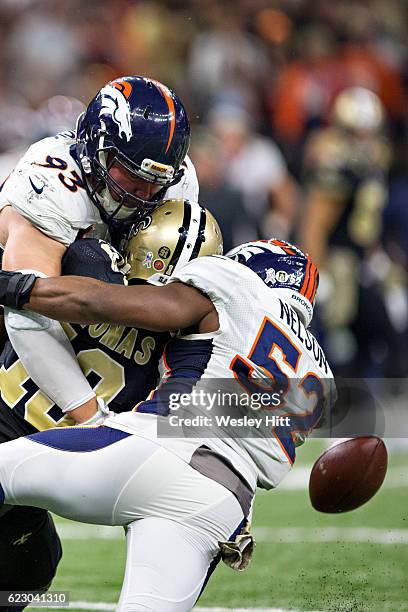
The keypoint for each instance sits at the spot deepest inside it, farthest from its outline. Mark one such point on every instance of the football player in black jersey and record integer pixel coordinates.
(345, 172)
(120, 363)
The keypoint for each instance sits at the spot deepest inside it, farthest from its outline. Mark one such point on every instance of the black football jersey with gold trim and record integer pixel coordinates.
(353, 172)
(120, 363)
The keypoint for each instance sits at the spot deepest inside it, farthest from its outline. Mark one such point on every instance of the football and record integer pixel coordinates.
(348, 474)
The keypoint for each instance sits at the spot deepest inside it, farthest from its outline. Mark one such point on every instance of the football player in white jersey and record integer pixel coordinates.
(127, 155)
(184, 500)
(128, 152)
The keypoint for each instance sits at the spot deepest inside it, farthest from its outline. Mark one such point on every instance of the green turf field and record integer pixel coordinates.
(303, 561)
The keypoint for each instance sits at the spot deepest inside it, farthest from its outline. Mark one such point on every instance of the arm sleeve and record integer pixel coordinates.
(48, 357)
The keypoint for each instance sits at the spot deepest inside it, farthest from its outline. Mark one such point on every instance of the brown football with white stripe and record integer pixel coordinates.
(348, 474)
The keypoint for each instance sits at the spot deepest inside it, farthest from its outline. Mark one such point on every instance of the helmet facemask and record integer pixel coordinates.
(117, 206)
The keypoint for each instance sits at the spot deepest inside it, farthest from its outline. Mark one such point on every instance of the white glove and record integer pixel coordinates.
(100, 415)
(237, 553)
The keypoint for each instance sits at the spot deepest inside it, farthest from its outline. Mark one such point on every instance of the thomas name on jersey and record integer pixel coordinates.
(118, 338)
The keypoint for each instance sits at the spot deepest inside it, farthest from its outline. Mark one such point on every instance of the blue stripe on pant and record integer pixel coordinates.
(217, 558)
(78, 439)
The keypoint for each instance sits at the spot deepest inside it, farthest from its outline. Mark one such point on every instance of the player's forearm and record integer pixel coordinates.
(74, 299)
(83, 300)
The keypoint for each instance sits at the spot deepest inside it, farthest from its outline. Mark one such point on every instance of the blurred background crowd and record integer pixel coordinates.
(299, 129)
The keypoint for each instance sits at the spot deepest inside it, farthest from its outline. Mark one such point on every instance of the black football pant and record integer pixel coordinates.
(30, 548)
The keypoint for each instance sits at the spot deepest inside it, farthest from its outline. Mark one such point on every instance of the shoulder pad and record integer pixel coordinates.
(95, 259)
(187, 188)
(215, 275)
(46, 188)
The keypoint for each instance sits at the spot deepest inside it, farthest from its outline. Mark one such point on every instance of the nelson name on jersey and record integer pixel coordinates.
(310, 343)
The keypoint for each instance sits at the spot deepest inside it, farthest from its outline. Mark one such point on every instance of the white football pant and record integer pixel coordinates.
(174, 516)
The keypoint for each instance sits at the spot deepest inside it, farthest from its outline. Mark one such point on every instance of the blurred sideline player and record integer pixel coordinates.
(185, 501)
(128, 153)
(121, 365)
(346, 166)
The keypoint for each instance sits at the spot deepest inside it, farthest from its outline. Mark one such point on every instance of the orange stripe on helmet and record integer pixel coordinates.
(311, 283)
(312, 292)
(311, 288)
(303, 288)
(124, 86)
(170, 103)
(283, 245)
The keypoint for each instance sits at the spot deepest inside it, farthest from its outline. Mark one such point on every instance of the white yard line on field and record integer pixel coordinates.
(298, 479)
(242, 610)
(79, 531)
(108, 607)
(361, 535)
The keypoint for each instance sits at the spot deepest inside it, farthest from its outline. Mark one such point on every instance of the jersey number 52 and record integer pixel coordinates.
(275, 357)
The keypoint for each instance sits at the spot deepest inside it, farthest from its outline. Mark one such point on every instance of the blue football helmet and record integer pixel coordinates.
(285, 267)
(140, 126)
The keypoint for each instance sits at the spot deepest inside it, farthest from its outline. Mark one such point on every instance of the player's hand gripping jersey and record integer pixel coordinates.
(47, 189)
(261, 337)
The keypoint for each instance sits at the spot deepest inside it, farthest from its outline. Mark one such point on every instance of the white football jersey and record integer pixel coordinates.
(260, 340)
(46, 188)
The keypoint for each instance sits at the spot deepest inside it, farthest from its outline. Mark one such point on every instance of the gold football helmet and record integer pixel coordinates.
(358, 108)
(175, 232)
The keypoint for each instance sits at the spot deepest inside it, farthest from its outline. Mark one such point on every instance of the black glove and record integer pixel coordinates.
(15, 288)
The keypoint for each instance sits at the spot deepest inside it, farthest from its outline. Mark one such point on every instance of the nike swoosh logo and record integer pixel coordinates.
(36, 188)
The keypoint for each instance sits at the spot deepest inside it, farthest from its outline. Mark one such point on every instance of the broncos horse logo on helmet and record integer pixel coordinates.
(285, 267)
(140, 126)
